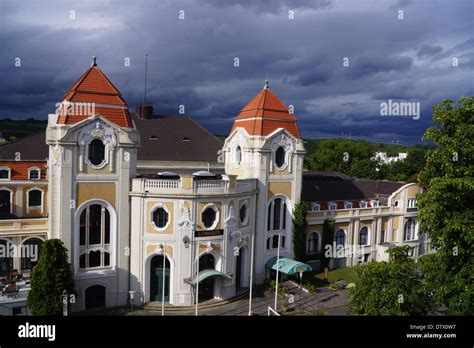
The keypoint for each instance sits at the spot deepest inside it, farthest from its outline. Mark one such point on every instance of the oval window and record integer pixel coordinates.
(96, 152)
(280, 157)
(208, 217)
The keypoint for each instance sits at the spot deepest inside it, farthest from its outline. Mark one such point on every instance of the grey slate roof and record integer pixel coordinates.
(334, 186)
(175, 138)
(31, 148)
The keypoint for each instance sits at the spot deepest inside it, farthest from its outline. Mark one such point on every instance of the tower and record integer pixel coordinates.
(92, 156)
(265, 144)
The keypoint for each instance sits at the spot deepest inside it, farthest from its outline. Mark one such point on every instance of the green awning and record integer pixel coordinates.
(206, 274)
(287, 266)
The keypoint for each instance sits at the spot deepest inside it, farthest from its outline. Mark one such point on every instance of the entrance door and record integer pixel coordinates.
(156, 278)
(159, 288)
(206, 286)
(95, 297)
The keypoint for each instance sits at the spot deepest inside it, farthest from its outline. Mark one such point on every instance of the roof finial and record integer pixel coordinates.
(94, 60)
(266, 81)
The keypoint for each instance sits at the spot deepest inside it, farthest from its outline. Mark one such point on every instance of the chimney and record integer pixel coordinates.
(145, 111)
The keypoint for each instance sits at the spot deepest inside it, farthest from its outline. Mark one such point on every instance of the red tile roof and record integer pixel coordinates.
(94, 87)
(264, 114)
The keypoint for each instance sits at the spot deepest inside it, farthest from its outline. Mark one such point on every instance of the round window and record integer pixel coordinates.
(160, 217)
(280, 157)
(208, 217)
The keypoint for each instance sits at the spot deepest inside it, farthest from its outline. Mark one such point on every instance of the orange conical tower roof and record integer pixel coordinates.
(264, 114)
(94, 87)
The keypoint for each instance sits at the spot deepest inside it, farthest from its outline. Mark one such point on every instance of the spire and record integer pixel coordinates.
(266, 82)
(94, 60)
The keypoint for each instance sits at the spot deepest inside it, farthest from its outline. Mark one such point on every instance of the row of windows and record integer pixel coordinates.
(313, 239)
(280, 157)
(209, 216)
(347, 205)
(33, 173)
(34, 198)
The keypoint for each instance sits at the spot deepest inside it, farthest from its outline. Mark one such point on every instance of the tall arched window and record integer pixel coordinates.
(277, 215)
(238, 155)
(96, 152)
(364, 236)
(5, 201)
(280, 157)
(94, 237)
(409, 230)
(312, 243)
(340, 238)
(30, 253)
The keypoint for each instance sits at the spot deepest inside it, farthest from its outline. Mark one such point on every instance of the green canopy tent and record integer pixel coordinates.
(206, 274)
(288, 266)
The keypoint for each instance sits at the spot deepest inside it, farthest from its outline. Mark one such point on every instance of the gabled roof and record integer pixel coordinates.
(175, 138)
(264, 114)
(31, 148)
(94, 87)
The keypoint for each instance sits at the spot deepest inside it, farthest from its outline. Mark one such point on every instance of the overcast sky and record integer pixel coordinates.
(191, 60)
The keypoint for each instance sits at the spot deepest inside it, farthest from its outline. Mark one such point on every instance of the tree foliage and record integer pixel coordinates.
(51, 275)
(395, 287)
(446, 207)
(299, 230)
(327, 239)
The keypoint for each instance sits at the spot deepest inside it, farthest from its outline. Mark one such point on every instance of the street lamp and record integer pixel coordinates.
(161, 250)
(132, 296)
(277, 264)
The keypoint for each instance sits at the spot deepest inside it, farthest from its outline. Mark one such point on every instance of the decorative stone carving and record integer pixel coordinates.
(97, 131)
(185, 223)
(57, 156)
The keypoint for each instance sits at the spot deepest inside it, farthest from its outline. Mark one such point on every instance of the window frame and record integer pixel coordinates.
(8, 169)
(283, 164)
(412, 227)
(155, 207)
(216, 219)
(4, 188)
(247, 211)
(34, 207)
(104, 162)
(309, 240)
(238, 155)
(344, 238)
(366, 230)
(32, 169)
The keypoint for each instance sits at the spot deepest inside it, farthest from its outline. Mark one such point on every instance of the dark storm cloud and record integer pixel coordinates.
(191, 61)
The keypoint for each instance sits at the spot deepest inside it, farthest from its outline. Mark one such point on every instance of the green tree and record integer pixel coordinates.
(327, 239)
(299, 230)
(49, 278)
(395, 287)
(446, 207)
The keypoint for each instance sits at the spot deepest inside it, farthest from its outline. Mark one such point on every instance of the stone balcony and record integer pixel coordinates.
(189, 185)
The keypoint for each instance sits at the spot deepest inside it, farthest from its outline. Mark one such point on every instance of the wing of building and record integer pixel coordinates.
(141, 199)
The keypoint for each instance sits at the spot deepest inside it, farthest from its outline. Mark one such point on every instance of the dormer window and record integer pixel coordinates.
(4, 173)
(238, 155)
(363, 204)
(34, 174)
(332, 206)
(280, 157)
(347, 205)
(96, 152)
(376, 203)
(315, 207)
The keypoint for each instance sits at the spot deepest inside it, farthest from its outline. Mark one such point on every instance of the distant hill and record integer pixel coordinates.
(21, 128)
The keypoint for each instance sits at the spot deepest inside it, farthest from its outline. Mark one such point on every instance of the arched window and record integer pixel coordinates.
(30, 253)
(364, 236)
(409, 230)
(4, 173)
(280, 157)
(34, 174)
(96, 152)
(277, 215)
(243, 214)
(238, 155)
(340, 238)
(35, 198)
(312, 243)
(94, 237)
(5, 201)
(6, 260)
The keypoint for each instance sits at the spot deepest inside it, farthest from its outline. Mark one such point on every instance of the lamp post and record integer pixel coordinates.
(277, 264)
(251, 273)
(161, 250)
(132, 296)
